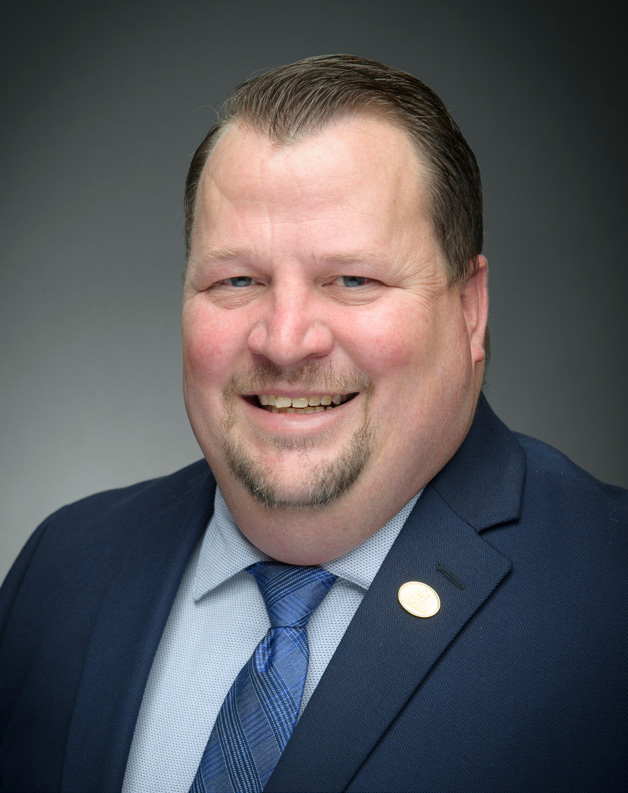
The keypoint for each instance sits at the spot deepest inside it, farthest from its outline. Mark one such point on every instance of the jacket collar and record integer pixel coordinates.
(483, 482)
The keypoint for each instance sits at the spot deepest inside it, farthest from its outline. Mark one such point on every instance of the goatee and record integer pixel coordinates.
(326, 481)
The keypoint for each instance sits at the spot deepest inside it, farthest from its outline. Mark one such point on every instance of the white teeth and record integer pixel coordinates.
(313, 404)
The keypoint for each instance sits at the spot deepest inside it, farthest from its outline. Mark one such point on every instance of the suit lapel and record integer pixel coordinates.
(386, 653)
(126, 636)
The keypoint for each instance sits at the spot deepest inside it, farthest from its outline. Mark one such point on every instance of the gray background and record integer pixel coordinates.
(104, 105)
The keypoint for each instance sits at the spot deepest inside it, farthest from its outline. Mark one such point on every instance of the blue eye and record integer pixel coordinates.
(240, 280)
(353, 280)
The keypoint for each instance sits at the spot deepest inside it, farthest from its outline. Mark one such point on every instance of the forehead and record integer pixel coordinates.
(355, 184)
(361, 152)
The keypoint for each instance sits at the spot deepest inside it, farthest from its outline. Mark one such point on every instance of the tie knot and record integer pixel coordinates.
(291, 594)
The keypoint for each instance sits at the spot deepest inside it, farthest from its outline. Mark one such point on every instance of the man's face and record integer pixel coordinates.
(315, 275)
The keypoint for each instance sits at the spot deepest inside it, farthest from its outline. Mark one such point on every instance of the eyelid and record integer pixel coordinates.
(365, 278)
(226, 281)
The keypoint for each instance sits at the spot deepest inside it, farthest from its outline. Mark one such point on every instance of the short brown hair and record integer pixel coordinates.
(290, 102)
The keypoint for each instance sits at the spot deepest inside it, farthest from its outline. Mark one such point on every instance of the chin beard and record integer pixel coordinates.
(326, 483)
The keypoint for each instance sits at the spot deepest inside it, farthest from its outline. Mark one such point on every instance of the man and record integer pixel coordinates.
(334, 319)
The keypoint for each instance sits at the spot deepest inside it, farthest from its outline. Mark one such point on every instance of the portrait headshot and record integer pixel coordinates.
(314, 451)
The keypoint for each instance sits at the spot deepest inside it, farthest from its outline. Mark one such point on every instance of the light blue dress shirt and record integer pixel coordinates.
(217, 619)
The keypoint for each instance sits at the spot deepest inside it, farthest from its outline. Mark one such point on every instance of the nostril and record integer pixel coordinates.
(290, 336)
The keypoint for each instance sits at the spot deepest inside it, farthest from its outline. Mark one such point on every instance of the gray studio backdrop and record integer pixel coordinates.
(103, 105)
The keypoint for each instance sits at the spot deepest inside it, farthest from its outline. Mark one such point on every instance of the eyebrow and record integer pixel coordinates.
(212, 253)
(222, 254)
(353, 257)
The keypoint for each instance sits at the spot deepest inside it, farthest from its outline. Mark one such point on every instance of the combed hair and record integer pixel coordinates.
(291, 102)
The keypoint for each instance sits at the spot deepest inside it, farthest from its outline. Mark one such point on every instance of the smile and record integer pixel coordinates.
(301, 404)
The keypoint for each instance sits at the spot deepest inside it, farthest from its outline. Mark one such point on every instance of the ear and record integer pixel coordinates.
(474, 302)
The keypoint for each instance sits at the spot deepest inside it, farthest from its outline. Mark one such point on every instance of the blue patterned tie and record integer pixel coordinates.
(261, 708)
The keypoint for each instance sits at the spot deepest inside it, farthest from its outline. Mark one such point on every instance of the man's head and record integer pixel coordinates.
(317, 276)
(294, 101)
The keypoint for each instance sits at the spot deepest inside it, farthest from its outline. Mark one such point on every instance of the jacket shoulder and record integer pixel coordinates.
(553, 472)
(152, 494)
(94, 531)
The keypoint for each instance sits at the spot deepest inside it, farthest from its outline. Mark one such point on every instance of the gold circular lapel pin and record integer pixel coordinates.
(419, 599)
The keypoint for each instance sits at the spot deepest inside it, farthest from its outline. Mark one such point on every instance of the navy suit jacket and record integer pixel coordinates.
(515, 685)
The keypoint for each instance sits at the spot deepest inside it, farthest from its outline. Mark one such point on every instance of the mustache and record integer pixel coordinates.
(309, 375)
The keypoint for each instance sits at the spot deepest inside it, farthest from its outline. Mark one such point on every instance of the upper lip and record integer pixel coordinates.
(287, 399)
(296, 394)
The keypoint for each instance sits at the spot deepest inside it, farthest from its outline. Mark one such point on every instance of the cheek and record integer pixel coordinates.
(389, 341)
(210, 343)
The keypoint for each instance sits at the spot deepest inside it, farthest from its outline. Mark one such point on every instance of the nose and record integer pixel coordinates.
(290, 330)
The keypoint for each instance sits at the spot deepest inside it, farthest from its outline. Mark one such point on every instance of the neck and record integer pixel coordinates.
(307, 536)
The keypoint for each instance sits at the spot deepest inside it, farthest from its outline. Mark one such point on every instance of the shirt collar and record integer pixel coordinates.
(225, 551)
(360, 565)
